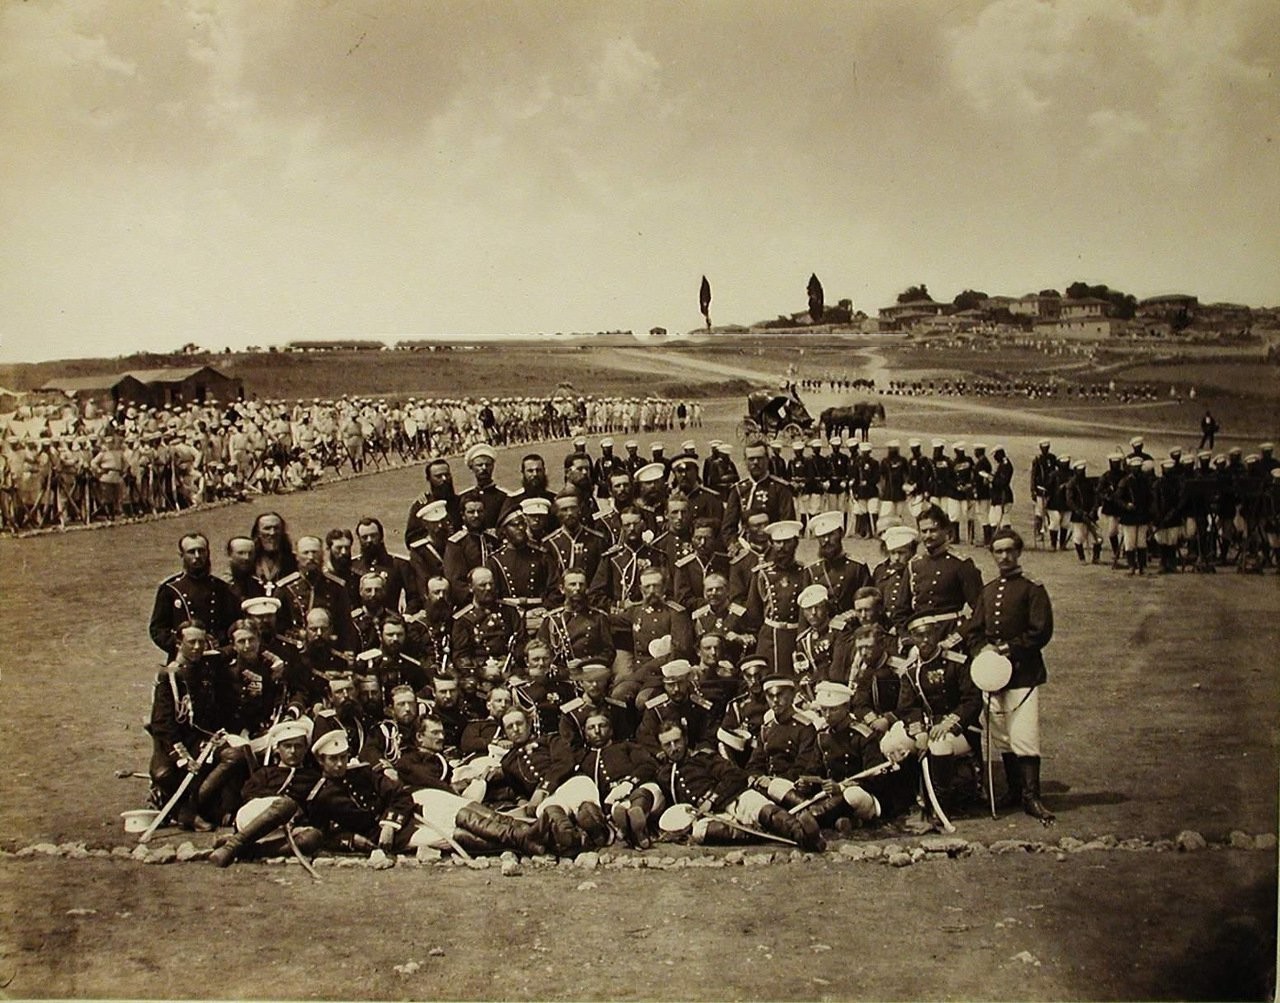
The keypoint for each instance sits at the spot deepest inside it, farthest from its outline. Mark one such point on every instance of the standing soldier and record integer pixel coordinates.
(481, 460)
(773, 599)
(311, 587)
(759, 491)
(193, 594)
(703, 502)
(576, 630)
(468, 548)
(719, 472)
(1133, 497)
(835, 570)
(938, 583)
(1001, 494)
(919, 478)
(574, 546)
(1082, 500)
(1042, 468)
(691, 570)
(1014, 616)
(864, 477)
(960, 503)
(522, 569)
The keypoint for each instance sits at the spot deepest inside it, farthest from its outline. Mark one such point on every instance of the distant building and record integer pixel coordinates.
(194, 385)
(355, 345)
(1178, 309)
(656, 331)
(104, 391)
(1035, 305)
(1084, 327)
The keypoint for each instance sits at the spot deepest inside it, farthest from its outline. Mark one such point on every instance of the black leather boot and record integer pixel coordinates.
(1013, 781)
(1031, 802)
(277, 814)
(591, 821)
(495, 827)
(712, 830)
(563, 832)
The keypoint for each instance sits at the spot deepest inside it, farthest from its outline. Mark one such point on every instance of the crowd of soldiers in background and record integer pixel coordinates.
(1033, 390)
(62, 465)
(548, 670)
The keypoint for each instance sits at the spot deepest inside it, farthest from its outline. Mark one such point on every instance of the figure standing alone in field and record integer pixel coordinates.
(1208, 429)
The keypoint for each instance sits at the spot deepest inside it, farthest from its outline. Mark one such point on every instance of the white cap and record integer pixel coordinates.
(677, 669)
(651, 472)
(480, 449)
(436, 511)
(827, 522)
(786, 529)
(898, 536)
(811, 595)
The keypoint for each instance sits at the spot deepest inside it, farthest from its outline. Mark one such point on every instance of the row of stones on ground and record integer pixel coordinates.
(895, 854)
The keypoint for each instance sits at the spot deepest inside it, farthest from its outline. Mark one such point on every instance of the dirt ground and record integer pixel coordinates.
(1160, 715)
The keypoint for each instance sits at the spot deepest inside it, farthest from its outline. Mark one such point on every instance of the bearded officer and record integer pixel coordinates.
(311, 587)
(835, 570)
(624, 774)
(773, 600)
(481, 460)
(192, 594)
(483, 629)
(679, 702)
(1015, 618)
(522, 568)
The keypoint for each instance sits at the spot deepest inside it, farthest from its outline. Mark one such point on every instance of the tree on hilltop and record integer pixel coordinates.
(1121, 305)
(920, 292)
(970, 299)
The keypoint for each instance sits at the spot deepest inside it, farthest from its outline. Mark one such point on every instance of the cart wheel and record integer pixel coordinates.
(791, 431)
(747, 429)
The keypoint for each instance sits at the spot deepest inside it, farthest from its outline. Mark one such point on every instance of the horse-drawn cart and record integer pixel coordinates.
(772, 414)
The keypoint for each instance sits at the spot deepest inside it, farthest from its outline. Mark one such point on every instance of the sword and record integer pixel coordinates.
(205, 754)
(932, 795)
(847, 782)
(293, 847)
(734, 824)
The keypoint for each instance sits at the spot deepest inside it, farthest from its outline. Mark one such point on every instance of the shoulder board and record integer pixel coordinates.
(840, 621)
(398, 557)
(1034, 582)
(173, 578)
(685, 560)
(458, 536)
(862, 729)
(410, 659)
(422, 541)
(463, 612)
(615, 549)
(803, 717)
(954, 656)
(737, 609)
(898, 662)
(615, 702)
(658, 701)
(778, 480)
(370, 655)
(571, 705)
(288, 579)
(759, 567)
(359, 613)
(352, 764)
(702, 610)
(326, 712)
(334, 578)
(672, 604)
(594, 532)
(702, 701)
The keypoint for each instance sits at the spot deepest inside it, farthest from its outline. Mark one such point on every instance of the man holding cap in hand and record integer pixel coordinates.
(1013, 616)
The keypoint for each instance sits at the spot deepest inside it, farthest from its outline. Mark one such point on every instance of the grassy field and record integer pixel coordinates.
(1159, 715)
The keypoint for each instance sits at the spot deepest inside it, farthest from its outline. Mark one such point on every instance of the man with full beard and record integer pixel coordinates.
(338, 561)
(244, 583)
(574, 546)
(440, 488)
(392, 567)
(192, 594)
(533, 484)
(576, 630)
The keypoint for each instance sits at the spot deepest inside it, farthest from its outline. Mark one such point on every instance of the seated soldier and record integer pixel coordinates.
(535, 691)
(679, 703)
(593, 686)
(272, 796)
(875, 676)
(477, 736)
(712, 785)
(388, 662)
(568, 806)
(744, 714)
(395, 735)
(786, 750)
(355, 810)
(624, 774)
(941, 707)
(720, 616)
(446, 705)
(848, 748)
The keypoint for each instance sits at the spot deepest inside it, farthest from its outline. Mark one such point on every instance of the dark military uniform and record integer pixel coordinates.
(617, 579)
(366, 628)
(893, 478)
(426, 561)
(385, 743)
(785, 749)
(706, 504)
(522, 576)
(842, 576)
(422, 770)
(671, 547)
(400, 670)
(477, 736)
(617, 763)
(357, 804)
(536, 764)
(773, 607)
(181, 597)
(415, 527)
(693, 715)
(299, 594)
(396, 572)
(581, 551)
(818, 646)
(742, 566)
(691, 572)
(876, 690)
(463, 551)
(1014, 610)
(891, 580)
(849, 748)
(483, 632)
(573, 720)
(701, 775)
(248, 586)
(492, 497)
(719, 474)
(729, 622)
(939, 687)
(938, 584)
(772, 495)
(647, 623)
(576, 635)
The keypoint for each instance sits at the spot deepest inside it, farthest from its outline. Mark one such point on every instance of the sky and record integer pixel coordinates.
(234, 173)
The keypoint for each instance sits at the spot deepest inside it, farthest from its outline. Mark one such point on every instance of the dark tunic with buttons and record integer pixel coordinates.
(1014, 610)
(701, 775)
(536, 764)
(842, 576)
(936, 584)
(181, 597)
(483, 632)
(848, 749)
(941, 686)
(784, 749)
(616, 763)
(693, 715)
(359, 803)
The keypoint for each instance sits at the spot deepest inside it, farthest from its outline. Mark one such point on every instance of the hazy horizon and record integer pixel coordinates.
(232, 173)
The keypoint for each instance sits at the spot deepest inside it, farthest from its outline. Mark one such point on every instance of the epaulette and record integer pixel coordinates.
(173, 578)
(469, 606)
(681, 562)
(862, 729)
(954, 656)
(398, 557)
(701, 701)
(615, 702)
(840, 620)
(370, 655)
(655, 702)
(411, 660)
(572, 705)
(458, 536)
(615, 549)
(422, 541)
(737, 609)
(288, 579)
(704, 608)
(672, 604)
(361, 612)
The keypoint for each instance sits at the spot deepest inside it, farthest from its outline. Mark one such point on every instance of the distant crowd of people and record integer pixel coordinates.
(62, 464)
